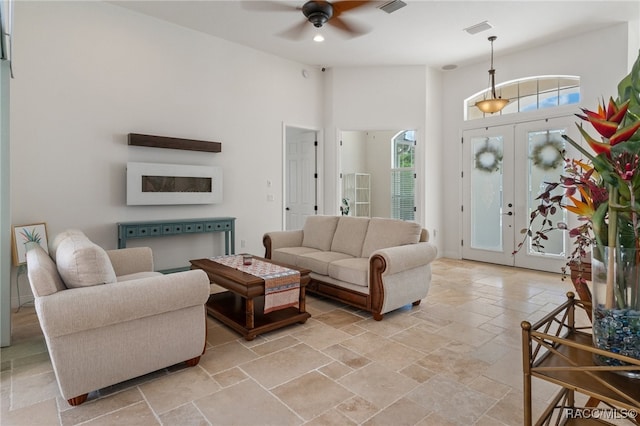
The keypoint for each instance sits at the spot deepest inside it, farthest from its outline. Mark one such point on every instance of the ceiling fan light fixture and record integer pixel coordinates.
(318, 38)
(317, 12)
(494, 103)
(318, 19)
(321, 13)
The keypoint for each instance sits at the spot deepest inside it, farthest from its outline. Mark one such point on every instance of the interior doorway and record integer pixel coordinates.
(301, 176)
(505, 168)
(377, 173)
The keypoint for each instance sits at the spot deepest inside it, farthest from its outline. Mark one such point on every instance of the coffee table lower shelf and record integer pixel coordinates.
(231, 309)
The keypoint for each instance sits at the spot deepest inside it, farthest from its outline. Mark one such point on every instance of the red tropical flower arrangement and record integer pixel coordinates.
(603, 189)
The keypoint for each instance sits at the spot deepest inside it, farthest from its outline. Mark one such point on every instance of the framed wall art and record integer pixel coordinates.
(23, 234)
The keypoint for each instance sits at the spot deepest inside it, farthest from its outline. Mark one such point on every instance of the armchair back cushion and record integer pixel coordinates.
(55, 242)
(82, 263)
(42, 272)
(384, 233)
(318, 232)
(349, 235)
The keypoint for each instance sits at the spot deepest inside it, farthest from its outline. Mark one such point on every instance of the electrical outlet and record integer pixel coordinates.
(243, 243)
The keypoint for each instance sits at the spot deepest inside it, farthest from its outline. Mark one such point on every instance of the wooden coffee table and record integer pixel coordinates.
(241, 306)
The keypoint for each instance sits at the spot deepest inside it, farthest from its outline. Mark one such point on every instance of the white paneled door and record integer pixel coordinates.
(505, 168)
(301, 177)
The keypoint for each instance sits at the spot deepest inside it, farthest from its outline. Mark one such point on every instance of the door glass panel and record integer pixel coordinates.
(486, 193)
(546, 165)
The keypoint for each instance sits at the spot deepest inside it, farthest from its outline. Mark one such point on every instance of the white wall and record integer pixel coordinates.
(353, 157)
(366, 151)
(432, 188)
(600, 58)
(379, 165)
(5, 208)
(89, 73)
(383, 98)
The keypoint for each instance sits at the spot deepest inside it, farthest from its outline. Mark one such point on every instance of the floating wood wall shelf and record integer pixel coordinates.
(137, 139)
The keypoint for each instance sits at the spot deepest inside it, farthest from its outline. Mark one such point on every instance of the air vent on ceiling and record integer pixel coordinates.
(478, 28)
(393, 5)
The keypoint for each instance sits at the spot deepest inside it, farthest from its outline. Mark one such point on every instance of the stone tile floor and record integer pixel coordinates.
(453, 360)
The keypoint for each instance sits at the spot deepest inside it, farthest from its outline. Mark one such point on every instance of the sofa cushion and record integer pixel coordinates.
(383, 233)
(81, 263)
(354, 271)
(318, 232)
(289, 255)
(349, 235)
(42, 273)
(319, 261)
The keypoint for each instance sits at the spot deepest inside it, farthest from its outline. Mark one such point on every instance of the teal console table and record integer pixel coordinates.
(164, 228)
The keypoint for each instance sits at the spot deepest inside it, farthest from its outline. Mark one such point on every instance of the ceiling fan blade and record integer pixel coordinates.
(269, 6)
(296, 32)
(347, 5)
(354, 30)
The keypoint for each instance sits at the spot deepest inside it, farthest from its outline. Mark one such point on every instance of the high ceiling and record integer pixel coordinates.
(423, 32)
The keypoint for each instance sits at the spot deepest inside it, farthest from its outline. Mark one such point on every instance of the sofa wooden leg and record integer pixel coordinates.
(78, 399)
(192, 362)
(416, 303)
(377, 317)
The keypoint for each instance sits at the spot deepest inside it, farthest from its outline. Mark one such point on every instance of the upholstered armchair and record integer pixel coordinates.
(107, 317)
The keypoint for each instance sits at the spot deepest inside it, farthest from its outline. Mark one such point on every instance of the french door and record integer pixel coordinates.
(505, 168)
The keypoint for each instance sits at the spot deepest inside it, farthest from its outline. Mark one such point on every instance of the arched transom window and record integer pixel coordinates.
(529, 94)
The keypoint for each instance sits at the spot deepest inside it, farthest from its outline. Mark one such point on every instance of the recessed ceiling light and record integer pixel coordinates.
(449, 67)
(478, 28)
(318, 38)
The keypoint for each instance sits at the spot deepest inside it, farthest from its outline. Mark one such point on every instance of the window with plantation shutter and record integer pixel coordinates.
(403, 176)
(402, 199)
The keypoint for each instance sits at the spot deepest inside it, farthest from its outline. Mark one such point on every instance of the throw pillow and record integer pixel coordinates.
(81, 263)
(55, 242)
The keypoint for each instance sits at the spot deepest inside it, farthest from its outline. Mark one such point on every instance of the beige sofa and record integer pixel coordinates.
(107, 317)
(376, 264)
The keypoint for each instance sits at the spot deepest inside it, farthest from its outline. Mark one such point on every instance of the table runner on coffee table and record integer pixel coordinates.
(281, 285)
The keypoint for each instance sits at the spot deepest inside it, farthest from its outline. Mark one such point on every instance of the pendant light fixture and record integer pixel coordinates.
(494, 103)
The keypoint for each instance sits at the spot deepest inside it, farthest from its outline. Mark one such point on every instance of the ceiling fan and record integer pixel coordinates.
(318, 13)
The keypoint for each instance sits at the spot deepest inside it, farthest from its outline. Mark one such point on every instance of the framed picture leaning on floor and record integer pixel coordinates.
(23, 234)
